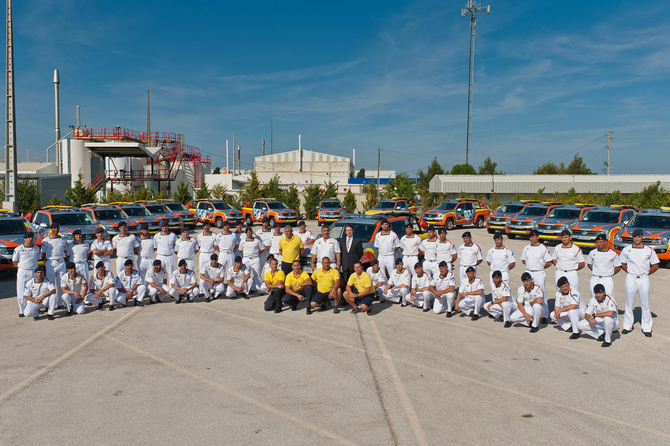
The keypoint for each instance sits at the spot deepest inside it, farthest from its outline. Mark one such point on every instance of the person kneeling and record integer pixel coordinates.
(130, 286)
(502, 303)
(363, 293)
(212, 277)
(443, 288)
(470, 297)
(239, 280)
(274, 282)
(297, 286)
(157, 282)
(74, 287)
(183, 283)
(421, 294)
(398, 284)
(327, 287)
(602, 317)
(529, 304)
(40, 293)
(101, 286)
(568, 309)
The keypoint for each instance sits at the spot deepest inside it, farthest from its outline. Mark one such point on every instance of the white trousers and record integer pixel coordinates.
(206, 288)
(421, 299)
(33, 309)
(409, 262)
(468, 304)
(95, 300)
(174, 293)
(156, 294)
(387, 264)
(637, 285)
(540, 278)
(144, 264)
(444, 303)
(505, 278)
(82, 269)
(22, 277)
(72, 305)
(117, 296)
(254, 264)
(167, 262)
(230, 292)
(431, 268)
(463, 277)
(203, 260)
(536, 311)
(569, 319)
(55, 269)
(504, 309)
(607, 282)
(120, 267)
(602, 325)
(139, 293)
(396, 295)
(227, 259)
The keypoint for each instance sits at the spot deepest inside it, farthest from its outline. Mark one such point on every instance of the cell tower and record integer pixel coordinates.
(472, 9)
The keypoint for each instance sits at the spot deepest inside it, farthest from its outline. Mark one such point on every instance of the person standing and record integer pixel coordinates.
(387, 243)
(74, 287)
(25, 258)
(145, 258)
(207, 241)
(470, 298)
(568, 259)
(290, 249)
(183, 283)
(274, 242)
(604, 264)
(157, 282)
(54, 250)
(40, 293)
(428, 247)
(470, 254)
(164, 243)
(500, 258)
(536, 258)
(529, 309)
(409, 245)
(601, 318)
(502, 302)
(444, 286)
(125, 247)
(240, 234)
(101, 286)
(305, 234)
(77, 253)
(265, 236)
(130, 286)
(212, 278)
(274, 282)
(446, 251)
(639, 261)
(186, 247)
(227, 243)
(102, 249)
(326, 246)
(351, 249)
(252, 248)
(238, 278)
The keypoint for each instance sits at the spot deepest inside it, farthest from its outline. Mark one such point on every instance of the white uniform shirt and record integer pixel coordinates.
(386, 243)
(35, 290)
(127, 282)
(429, 249)
(326, 248)
(445, 251)
(54, 248)
(410, 245)
(251, 248)
(403, 278)
(28, 258)
(75, 284)
(573, 297)
(274, 244)
(96, 284)
(78, 252)
(443, 283)
(236, 277)
(595, 307)
(157, 278)
(186, 249)
(306, 236)
(207, 242)
(469, 255)
(501, 291)
(525, 297)
(377, 277)
(568, 259)
(146, 247)
(266, 237)
(164, 244)
(214, 272)
(638, 260)
(125, 246)
(226, 242)
(104, 245)
(535, 257)
(422, 282)
(475, 285)
(500, 259)
(603, 263)
(182, 280)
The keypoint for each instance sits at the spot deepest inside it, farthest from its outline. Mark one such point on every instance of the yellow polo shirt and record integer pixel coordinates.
(362, 282)
(325, 282)
(290, 249)
(279, 275)
(291, 280)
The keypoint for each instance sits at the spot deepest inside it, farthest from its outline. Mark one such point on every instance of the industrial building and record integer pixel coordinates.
(49, 181)
(303, 167)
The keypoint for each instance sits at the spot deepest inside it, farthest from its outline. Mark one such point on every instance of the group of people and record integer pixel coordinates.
(238, 263)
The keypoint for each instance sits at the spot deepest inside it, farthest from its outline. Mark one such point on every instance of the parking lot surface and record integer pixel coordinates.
(228, 373)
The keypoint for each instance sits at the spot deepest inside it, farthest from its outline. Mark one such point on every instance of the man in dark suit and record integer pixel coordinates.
(351, 249)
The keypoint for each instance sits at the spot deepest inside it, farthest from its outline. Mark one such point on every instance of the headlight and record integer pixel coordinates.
(662, 241)
(603, 233)
(565, 226)
(535, 224)
(4, 251)
(617, 238)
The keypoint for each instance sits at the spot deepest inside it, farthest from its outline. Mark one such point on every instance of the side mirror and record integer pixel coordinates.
(43, 225)
(625, 222)
(317, 208)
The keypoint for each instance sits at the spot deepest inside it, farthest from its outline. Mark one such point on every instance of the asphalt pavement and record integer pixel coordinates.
(228, 373)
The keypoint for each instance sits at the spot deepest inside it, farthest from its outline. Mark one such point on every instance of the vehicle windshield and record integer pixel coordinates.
(511, 208)
(158, 208)
(175, 206)
(567, 214)
(385, 205)
(446, 206)
(71, 219)
(110, 214)
(136, 211)
(363, 231)
(600, 217)
(12, 226)
(222, 205)
(276, 205)
(331, 204)
(533, 210)
(650, 222)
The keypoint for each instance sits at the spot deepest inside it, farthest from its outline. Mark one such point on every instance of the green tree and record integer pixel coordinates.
(361, 173)
(423, 184)
(400, 186)
(251, 190)
(312, 200)
(182, 194)
(216, 171)
(55, 201)
(144, 193)
(271, 188)
(577, 167)
(539, 196)
(488, 167)
(518, 197)
(370, 191)
(111, 196)
(349, 202)
(160, 196)
(291, 198)
(330, 191)
(549, 169)
(27, 195)
(653, 196)
(615, 197)
(79, 194)
(219, 190)
(463, 169)
(202, 193)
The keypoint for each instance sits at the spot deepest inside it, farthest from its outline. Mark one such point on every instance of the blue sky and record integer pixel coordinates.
(550, 78)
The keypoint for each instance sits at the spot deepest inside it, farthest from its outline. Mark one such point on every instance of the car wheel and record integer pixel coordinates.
(249, 221)
(480, 222)
(450, 224)
(272, 222)
(219, 222)
(511, 236)
(491, 231)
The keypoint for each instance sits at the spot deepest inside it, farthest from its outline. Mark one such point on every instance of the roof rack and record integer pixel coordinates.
(57, 207)
(529, 201)
(8, 213)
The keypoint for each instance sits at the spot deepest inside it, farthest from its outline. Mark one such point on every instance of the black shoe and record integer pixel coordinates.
(21, 315)
(425, 310)
(177, 300)
(474, 317)
(324, 306)
(309, 310)
(125, 305)
(647, 333)
(543, 320)
(462, 314)
(601, 338)
(508, 324)
(449, 314)
(69, 313)
(208, 299)
(61, 307)
(370, 309)
(498, 319)
(278, 310)
(627, 331)
(382, 300)
(569, 330)
(245, 295)
(190, 300)
(100, 305)
(138, 303)
(336, 309)
(294, 307)
(36, 318)
(50, 317)
(534, 329)
(575, 335)
(112, 308)
(605, 344)
(491, 316)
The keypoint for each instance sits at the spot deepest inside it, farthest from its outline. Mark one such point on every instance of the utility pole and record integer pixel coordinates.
(59, 157)
(379, 158)
(233, 149)
(10, 123)
(472, 9)
(607, 163)
(227, 158)
(270, 133)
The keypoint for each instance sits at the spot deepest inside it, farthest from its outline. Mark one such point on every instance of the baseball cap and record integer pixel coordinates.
(123, 223)
(302, 223)
(562, 281)
(165, 223)
(601, 237)
(384, 221)
(496, 274)
(213, 257)
(70, 265)
(418, 265)
(76, 231)
(397, 261)
(99, 230)
(470, 269)
(265, 219)
(144, 226)
(533, 232)
(183, 228)
(443, 263)
(54, 225)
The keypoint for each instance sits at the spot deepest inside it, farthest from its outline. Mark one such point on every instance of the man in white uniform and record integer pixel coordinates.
(102, 249)
(470, 254)
(326, 246)
(604, 264)
(130, 286)
(54, 250)
(639, 261)
(568, 259)
(500, 258)
(238, 279)
(252, 248)
(125, 247)
(77, 253)
(186, 247)
(470, 298)
(101, 286)
(386, 242)
(378, 279)
(239, 233)
(183, 283)
(145, 258)
(265, 236)
(444, 286)
(305, 234)
(421, 294)
(529, 305)
(274, 242)
(25, 258)
(398, 285)
(602, 317)
(207, 241)
(446, 251)
(568, 308)
(227, 243)
(428, 247)
(536, 257)
(212, 278)
(164, 243)
(74, 287)
(157, 281)
(502, 303)
(409, 244)
(40, 293)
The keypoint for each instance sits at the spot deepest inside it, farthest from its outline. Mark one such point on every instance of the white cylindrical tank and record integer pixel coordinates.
(80, 161)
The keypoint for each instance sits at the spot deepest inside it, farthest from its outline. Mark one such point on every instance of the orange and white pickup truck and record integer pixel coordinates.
(216, 212)
(452, 213)
(273, 209)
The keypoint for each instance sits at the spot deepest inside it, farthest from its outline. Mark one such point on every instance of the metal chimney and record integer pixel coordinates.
(300, 151)
(56, 93)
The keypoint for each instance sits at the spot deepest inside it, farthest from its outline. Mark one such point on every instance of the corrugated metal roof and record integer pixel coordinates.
(307, 155)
